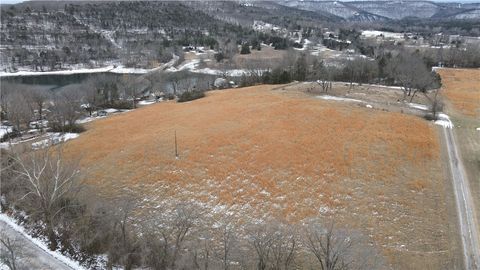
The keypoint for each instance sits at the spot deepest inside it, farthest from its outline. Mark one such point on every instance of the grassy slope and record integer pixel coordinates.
(461, 88)
(260, 152)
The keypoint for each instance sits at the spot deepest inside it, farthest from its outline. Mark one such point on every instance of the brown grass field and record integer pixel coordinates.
(462, 89)
(259, 152)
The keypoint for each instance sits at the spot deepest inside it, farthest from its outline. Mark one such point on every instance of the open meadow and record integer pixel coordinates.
(260, 152)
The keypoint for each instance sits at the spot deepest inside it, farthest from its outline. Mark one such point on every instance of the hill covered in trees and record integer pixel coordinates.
(46, 35)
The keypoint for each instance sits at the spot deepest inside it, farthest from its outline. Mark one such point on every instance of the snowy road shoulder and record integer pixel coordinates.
(444, 120)
(37, 255)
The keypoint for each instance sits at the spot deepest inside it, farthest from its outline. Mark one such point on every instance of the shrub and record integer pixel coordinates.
(73, 128)
(245, 49)
(219, 56)
(10, 135)
(121, 105)
(169, 96)
(297, 45)
(190, 95)
(280, 76)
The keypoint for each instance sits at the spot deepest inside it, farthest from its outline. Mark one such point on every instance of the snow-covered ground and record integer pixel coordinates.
(267, 27)
(54, 138)
(444, 120)
(418, 106)
(192, 66)
(146, 102)
(111, 68)
(4, 130)
(57, 72)
(327, 97)
(373, 33)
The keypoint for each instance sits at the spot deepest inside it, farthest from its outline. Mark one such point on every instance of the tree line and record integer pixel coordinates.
(404, 69)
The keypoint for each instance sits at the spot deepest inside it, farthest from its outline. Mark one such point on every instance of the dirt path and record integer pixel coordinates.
(468, 228)
(31, 255)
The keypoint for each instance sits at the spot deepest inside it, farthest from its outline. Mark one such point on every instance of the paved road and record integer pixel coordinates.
(468, 227)
(32, 257)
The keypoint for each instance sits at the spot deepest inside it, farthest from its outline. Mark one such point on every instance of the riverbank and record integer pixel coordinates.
(111, 68)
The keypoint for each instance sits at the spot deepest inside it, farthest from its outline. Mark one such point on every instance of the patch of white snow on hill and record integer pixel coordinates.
(54, 138)
(125, 70)
(444, 120)
(418, 106)
(111, 110)
(146, 102)
(372, 33)
(327, 97)
(4, 130)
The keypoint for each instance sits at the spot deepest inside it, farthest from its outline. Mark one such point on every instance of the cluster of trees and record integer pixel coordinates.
(412, 74)
(59, 206)
(467, 56)
(443, 50)
(403, 69)
(30, 106)
(137, 33)
(47, 40)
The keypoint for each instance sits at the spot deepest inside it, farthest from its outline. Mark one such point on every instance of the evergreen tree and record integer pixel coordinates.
(245, 49)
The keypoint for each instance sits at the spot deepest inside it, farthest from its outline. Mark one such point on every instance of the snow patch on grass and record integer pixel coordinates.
(4, 130)
(372, 33)
(418, 106)
(327, 97)
(146, 102)
(54, 138)
(444, 120)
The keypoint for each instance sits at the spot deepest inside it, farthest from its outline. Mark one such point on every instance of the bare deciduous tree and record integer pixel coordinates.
(336, 249)
(49, 181)
(37, 97)
(67, 108)
(178, 80)
(6, 90)
(329, 248)
(411, 72)
(225, 242)
(275, 245)
(18, 111)
(165, 237)
(323, 75)
(125, 246)
(133, 87)
(437, 104)
(10, 252)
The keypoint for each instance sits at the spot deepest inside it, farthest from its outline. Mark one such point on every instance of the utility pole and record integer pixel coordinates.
(176, 149)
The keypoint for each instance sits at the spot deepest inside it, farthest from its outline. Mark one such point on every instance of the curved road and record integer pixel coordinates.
(468, 227)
